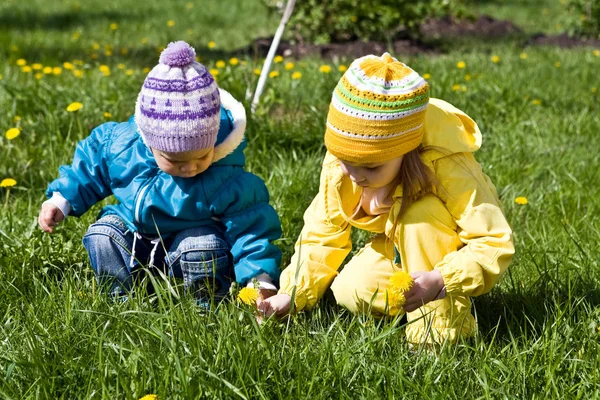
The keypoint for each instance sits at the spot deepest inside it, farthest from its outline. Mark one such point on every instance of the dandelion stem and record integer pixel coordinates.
(6, 201)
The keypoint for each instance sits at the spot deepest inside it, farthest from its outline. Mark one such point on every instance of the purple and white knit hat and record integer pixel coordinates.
(178, 108)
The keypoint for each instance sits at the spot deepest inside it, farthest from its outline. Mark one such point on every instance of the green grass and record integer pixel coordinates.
(539, 328)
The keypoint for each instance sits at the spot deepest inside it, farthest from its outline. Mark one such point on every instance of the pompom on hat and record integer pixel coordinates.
(178, 108)
(377, 111)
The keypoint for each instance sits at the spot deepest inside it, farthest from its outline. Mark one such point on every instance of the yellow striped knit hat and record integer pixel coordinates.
(377, 111)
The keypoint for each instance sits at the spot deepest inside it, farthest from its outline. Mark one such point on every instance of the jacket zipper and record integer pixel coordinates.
(140, 197)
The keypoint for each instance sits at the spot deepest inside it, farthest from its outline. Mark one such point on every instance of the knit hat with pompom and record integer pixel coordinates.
(178, 108)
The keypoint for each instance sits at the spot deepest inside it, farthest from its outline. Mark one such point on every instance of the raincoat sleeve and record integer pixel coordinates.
(251, 225)
(85, 182)
(321, 248)
(488, 247)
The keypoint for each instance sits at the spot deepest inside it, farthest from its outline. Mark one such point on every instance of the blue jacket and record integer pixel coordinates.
(113, 159)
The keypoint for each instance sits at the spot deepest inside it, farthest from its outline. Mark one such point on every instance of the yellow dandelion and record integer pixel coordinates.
(26, 69)
(273, 74)
(107, 114)
(104, 68)
(214, 72)
(47, 70)
(8, 182)
(78, 73)
(426, 76)
(57, 70)
(278, 59)
(149, 397)
(170, 23)
(21, 62)
(523, 56)
(557, 64)
(144, 40)
(401, 282)
(16, 119)
(189, 6)
(256, 71)
(108, 53)
(342, 68)
(12, 133)
(68, 66)
(248, 295)
(354, 18)
(467, 77)
(37, 76)
(234, 61)
(461, 65)
(463, 88)
(325, 69)
(521, 200)
(113, 26)
(75, 35)
(146, 70)
(594, 90)
(129, 72)
(456, 87)
(121, 66)
(95, 46)
(220, 64)
(297, 75)
(0, 77)
(212, 45)
(495, 59)
(289, 66)
(596, 53)
(395, 299)
(78, 62)
(37, 67)
(536, 102)
(124, 51)
(74, 107)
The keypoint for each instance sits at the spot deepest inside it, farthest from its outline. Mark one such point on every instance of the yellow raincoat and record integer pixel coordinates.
(459, 230)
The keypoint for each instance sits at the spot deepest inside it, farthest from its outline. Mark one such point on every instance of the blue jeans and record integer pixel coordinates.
(200, 256)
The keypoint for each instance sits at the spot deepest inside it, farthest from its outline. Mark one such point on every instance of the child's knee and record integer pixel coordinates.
(105, 233)
(359, 294)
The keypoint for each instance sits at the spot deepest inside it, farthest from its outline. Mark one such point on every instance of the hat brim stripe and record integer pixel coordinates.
(413, 82)
(372, 137)
(381, 106)
(351, 109)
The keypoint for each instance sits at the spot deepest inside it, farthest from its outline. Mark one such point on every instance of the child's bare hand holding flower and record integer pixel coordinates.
(49, 217)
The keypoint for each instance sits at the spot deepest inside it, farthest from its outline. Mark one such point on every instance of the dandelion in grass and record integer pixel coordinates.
(461, 65)
(107, 114)
(426, 76)
(325, 69)
(257, 71)
(456, 87)
(144, 40)
(12, 133)
(521, 200)
(342, 68)
(21, 62)
(75, 106)
(536, 102)
(108, 53)
(56, 70)
(0, 77)
(278, 59)
(37, 66)
(47, 70)
(220, 64)
(26, 69)
(149, 397)
(95, 46)
(121, 66)
(214, 72)
(146, 70)
(170, 23)
(297, 75)
(273, 74)
(289, 66)
(594, 90)
(37, 76)
(76, 36)
(129, 72)
(212, 45)
(7, 183)
(523, 56)
(596, 53)
(16, 119)
(495, 59)
(68, 66)
(557, 64)
(234, 61)
(189, 6)
(78, 73)
(248, 295)
(113, 26)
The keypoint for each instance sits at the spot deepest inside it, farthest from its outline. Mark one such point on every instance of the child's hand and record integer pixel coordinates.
(264, 294)
(50, 215)
(426, 287)
(278, 305)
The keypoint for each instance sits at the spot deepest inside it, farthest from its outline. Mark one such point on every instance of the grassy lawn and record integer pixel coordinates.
(538, 108)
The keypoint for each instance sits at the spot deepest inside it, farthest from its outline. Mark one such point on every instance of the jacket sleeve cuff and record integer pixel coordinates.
(59, 201)
(450, 275)
(264, 282)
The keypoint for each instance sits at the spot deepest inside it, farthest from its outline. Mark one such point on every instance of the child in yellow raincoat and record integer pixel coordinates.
(399, 165)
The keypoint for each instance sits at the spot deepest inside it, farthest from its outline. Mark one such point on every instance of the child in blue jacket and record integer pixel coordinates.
(185, 203)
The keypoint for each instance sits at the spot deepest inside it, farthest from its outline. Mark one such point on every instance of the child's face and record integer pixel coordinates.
(373, 175)
(186, 164)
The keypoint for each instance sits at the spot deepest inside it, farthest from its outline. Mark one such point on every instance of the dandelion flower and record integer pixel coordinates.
(68, 66)
(395, 299)
(26, 69)
(289, 66)
(342, 68)
(596, 53)
(47, 70)
(12, 133)
(95, 46)
(234, 61)
(278, 59)
(21, 62)
(37, 66)
(74, 107)
(121, 66)
(594, 90)
(108, 53)
(536, 102)
(257, 71)
(426, 76)
(557, 64)
(16, 119)
(78, 73)
(75, 35)
(325, 69)
(248, 295)
(189, 6)
(214, 72)
(144, 40)
(467, 77)
(273, 74)
(461, 65)
(220, 64)
(495, 59)
(113, 26)
(57, 70)
(129, 72)
(149, 397)
(523, 56)
(297, 75)
(455, 88)
(146, 70)
(212, 45)
(107, 114)
(521, 200)
(8, 182)
(39, 76)
(170, 23)
(400, 282)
